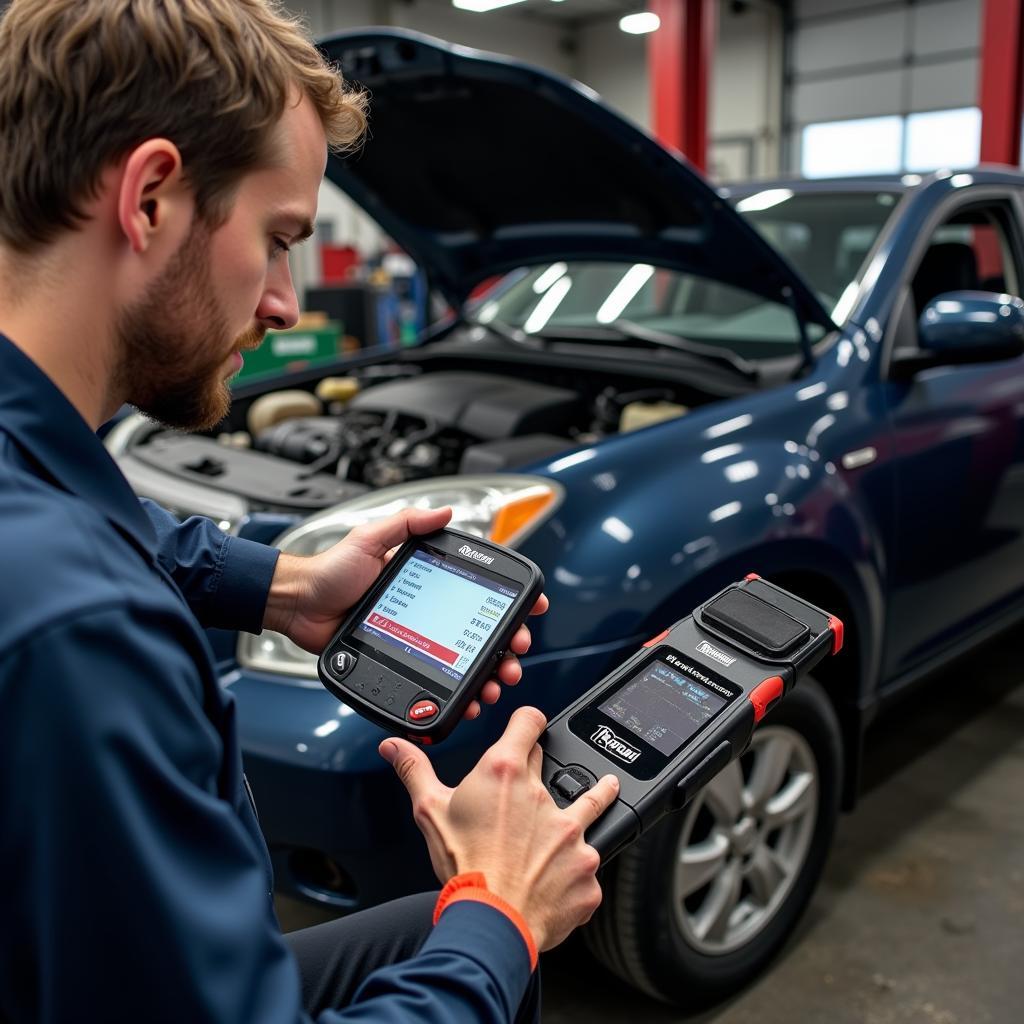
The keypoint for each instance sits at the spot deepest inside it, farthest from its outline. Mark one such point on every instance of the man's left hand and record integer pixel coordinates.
(309, 597)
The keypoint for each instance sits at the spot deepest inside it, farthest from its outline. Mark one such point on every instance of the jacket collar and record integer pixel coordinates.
(47, 427)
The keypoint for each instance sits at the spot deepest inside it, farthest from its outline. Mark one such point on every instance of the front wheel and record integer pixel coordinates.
(697, 907)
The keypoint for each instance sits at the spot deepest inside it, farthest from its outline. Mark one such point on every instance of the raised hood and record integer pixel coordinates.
(476, 164)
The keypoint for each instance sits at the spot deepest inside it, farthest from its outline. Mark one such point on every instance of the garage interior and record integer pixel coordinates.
(917, 916)
(768, 319)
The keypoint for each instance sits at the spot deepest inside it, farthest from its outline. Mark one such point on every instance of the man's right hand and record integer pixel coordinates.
(501, 821)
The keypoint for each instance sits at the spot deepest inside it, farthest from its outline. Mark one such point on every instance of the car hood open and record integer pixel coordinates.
(476, 164)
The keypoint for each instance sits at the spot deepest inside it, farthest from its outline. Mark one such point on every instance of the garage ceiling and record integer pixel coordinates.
(584, 11)
(578, 11)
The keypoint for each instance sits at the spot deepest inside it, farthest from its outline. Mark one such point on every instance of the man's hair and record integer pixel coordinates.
(82, 82)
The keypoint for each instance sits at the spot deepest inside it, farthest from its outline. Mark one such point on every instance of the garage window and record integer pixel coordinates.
(867, 145)
(943, 138)
(891, 145)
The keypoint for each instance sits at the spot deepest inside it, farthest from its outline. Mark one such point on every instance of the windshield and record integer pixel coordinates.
(824, 235)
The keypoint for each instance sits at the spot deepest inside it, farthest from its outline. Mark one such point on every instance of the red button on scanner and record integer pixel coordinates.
(422, 711)
(764, 695)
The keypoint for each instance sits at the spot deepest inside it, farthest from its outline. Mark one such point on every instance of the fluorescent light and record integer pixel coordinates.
(728, 426)
(811, 391)
(488, 313)
(482, 6)
(567, 461)
(549, 277)
(740, 471)
(727, 451)
(624, 292)
(764, 200)
(639, 24)
(545, 309)
(724, 511)
(844, 306)
(616, 528)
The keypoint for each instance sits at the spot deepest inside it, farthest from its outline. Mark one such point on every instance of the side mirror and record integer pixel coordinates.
(964, 327)
(972, 327)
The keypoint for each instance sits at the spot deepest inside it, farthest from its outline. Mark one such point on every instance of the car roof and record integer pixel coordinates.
(900, 183)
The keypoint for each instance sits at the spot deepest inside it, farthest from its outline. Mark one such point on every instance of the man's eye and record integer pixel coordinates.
(279, 246)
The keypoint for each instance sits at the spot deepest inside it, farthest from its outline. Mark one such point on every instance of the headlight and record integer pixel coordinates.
(505, 508)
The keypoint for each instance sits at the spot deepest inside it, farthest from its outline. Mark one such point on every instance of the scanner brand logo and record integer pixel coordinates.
(713, 652)
(607, 740)
(477, 556)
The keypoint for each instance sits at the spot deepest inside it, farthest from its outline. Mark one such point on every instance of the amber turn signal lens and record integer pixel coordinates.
(512, 518)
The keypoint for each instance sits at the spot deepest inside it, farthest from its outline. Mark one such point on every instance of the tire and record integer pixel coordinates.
(689, 949)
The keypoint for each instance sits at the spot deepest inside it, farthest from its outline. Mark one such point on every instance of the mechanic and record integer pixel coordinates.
(157, 160)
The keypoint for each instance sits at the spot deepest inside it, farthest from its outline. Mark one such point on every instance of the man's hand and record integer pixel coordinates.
(309, 597)
(500, 820)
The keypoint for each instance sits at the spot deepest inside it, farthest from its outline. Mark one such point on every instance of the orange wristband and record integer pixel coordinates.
(473, 886)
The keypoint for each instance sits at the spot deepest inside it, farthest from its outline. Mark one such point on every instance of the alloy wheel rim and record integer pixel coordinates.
(743, 841)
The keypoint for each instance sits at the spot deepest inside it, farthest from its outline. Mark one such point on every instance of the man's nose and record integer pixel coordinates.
(279, 305)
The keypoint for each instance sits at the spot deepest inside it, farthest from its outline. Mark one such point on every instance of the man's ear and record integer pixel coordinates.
(153, 202)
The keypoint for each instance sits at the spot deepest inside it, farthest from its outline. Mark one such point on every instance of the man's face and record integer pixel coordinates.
(224, 288)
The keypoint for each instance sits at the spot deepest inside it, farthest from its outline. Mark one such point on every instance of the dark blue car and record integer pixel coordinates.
(670, 387)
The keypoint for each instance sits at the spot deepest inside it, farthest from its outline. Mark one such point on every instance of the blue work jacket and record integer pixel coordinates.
(136, 882)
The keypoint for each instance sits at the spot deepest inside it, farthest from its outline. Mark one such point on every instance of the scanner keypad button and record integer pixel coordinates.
(569, 784)
(342, 663)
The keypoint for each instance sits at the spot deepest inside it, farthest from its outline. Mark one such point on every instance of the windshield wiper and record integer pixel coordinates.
(712, 353)
(508, 332)
(628, 330)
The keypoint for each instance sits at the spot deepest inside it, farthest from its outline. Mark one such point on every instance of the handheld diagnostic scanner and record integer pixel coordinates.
(430, 632)
(684, 706)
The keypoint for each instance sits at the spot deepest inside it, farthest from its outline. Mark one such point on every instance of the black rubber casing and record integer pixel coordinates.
(383, 692)
(755, 639)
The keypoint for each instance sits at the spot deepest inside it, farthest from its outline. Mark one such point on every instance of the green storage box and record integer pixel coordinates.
(283, 351)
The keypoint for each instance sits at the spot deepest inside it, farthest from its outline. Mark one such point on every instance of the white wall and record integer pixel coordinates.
(615, 65)
(746, 85)
(746, 92)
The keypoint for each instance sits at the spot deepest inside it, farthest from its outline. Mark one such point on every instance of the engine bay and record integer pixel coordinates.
(303, 449)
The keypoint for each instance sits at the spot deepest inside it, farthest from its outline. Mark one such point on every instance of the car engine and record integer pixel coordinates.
(430, 425)
(396, 424)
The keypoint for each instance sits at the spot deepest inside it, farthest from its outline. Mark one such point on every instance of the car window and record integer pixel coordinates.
(588, 301)
(826, 236)
(970, 252)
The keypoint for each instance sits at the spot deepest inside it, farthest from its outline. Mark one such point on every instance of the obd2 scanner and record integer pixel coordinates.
(684, 706)
(430, 632)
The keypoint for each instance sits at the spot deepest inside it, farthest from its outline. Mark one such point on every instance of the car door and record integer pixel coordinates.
(957, 558)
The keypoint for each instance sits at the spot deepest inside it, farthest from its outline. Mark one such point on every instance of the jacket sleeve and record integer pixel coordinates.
(474, 967)
(225, 579)
(140, 895)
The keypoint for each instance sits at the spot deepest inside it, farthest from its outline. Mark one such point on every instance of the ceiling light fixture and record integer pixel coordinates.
(482, 6)
(641, 23)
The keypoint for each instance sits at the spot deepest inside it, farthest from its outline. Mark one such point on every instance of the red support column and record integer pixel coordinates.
(1000, 82)
(679, 61)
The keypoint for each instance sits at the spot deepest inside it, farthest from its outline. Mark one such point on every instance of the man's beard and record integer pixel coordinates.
(174, 342)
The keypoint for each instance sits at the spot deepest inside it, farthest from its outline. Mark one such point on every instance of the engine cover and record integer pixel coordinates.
(483, 405)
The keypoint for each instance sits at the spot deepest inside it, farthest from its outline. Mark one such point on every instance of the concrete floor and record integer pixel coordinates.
(920, 915)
